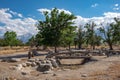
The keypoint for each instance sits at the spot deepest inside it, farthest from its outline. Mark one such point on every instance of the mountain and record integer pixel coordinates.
(25, 37)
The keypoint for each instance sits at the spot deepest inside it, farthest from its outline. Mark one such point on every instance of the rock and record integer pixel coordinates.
(48, 61)
(84, 75)
(54, 63)
(24, 64)
(33, 64)
(24, 73)
(15, 60)
(54, 74)
(28, 63)
(47, 67)
(44, 67)
(18, 66)
(43, 61)
(13, 67)
(37, 59)
(37, 62)
(31, 60)
(48, 72)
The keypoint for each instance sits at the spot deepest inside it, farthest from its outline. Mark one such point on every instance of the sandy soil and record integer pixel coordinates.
(103, 69)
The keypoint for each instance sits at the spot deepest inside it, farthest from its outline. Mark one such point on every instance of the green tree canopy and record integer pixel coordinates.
(80, 36)
(10, 38)
(55, 23)
(111, 33)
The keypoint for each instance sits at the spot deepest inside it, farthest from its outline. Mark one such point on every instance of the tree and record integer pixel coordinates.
(51, 29)
(2, 42)
(38, 39)
(10, 38)
(90, 34)
(80, 37)
(68, 36)
(31, 41)
(111, 33)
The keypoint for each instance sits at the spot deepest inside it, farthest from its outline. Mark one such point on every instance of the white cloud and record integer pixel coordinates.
(116, 5)
(20, 25)
(16, 14)
(111, 14)
(49, 10)
(20, 15)
(66, 11)
(108, 17)
(44, 10)
(94, 5)
(23, 26)
(116, 9)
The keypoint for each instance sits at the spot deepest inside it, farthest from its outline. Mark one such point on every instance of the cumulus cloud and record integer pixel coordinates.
(107, 18)
(94, 5)
(49, 10)
(20, 25)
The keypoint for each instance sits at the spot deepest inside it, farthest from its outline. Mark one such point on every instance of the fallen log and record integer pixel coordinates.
(73, 57)
(84, 52)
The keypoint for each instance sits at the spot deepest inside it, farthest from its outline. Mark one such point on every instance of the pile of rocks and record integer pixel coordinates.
(44, 66)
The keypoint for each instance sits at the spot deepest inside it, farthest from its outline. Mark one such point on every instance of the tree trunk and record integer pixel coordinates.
(69, 46)
(75, 44)
(110, 46)
(55, 48)
(79, 46)
(93, 47)
(44, 47)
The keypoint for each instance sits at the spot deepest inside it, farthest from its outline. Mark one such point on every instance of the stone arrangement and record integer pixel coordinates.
(44, 66)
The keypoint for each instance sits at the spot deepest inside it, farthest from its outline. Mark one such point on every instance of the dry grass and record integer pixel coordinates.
(8, 50)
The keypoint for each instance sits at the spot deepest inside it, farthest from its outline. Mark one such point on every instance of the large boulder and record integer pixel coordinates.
(54, 63)
(44, 67)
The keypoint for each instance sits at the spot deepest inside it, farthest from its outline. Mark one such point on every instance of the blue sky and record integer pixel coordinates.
(77, 7)
(21, 15)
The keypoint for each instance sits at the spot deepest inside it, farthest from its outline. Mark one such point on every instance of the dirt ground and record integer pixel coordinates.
(105, 68)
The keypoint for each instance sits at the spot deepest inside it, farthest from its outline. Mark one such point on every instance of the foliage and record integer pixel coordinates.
(31, 41)
(51, 30)
(10, 38)
(111, 33)
(68, 36)
(80, 37)
(90, 34)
